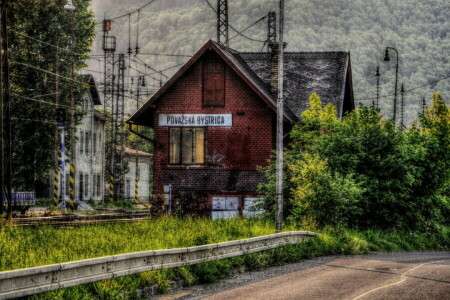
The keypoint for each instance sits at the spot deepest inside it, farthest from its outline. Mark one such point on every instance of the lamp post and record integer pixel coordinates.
(70, 7)
(57, 104)
(387, 58)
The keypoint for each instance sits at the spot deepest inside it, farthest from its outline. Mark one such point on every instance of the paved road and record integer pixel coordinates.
(415, 275)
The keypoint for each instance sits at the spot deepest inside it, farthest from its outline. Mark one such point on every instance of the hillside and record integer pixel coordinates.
(417, 29)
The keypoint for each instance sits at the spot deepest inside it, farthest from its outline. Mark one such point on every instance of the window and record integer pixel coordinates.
(87, 142)
(213, 83)
(86, 182)
(187, 146)
(99, 186)
(80, 185)
(81, 141)
(94, 144)
(94, 185)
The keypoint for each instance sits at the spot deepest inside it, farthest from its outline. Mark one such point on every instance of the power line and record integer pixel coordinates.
(45, 71)
(237, 31)
(253, 24)
(406, 91)
(31, 120)
(40, 101)
(129, 13)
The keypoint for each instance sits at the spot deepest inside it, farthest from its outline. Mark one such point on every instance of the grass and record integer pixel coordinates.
(25, 247)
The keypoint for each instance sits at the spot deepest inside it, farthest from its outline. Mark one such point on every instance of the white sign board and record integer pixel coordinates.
(225, 203)
(249, 207)
(196, 120)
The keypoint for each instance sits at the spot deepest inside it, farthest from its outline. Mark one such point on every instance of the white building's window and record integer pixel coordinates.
(86, 186)
(94, 143)
(87, 142)
(81, 141)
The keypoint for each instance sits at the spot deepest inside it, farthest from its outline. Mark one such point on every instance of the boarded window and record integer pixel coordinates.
(213, 83)
(187, 146)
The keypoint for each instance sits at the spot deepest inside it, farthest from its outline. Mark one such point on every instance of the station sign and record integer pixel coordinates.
(196, 120)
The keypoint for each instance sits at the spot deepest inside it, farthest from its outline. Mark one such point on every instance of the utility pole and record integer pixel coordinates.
(222, 23)
(377, 75)
(271, 29)
(280, 116)
(5, 120)
(109, 47)
(402, 108)
(119, 136)
(141, 80)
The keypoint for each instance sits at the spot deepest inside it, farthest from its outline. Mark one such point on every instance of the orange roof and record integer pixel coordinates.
(130, 151)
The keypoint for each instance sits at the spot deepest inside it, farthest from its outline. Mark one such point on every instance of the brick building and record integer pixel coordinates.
(214, 121)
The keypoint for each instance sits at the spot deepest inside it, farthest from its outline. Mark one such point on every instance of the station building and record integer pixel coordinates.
(214, 122)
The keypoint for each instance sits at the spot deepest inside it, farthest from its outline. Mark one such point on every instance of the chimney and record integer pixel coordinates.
(274, 67)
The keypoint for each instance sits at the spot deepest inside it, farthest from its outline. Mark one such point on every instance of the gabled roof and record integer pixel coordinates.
(325, 73)
(233, 60)
(89, 79)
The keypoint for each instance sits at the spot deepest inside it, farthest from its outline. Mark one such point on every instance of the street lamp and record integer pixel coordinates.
(387, 58)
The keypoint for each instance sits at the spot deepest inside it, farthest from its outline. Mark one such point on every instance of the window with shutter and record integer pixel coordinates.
(213, 83)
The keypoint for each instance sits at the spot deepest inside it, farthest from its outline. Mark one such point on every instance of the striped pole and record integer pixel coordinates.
(111, 188)
(55, 187)
(72, 185)
(136, 190)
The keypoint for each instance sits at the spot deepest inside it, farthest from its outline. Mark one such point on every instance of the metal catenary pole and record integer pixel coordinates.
(6, 118)
(280, 115)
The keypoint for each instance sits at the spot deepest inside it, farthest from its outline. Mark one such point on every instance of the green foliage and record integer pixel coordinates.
(362, 172)
(32, 89)
(327, 198)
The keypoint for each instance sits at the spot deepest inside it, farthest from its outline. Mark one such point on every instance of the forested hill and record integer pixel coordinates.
(418, 29)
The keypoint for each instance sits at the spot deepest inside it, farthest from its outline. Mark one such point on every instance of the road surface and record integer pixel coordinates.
(413, 275)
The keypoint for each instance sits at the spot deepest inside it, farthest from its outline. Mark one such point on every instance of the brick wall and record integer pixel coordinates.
(232, 153)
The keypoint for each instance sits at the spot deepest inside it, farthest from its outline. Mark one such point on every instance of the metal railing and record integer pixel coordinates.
(25, 282)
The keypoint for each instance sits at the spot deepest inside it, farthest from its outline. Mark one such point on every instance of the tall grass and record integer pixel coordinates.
(27, 247)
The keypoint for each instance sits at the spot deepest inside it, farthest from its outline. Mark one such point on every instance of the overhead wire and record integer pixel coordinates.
(406, 91)
(237, 31)
(132, 12)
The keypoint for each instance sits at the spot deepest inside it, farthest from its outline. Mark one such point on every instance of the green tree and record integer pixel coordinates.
(33, 80)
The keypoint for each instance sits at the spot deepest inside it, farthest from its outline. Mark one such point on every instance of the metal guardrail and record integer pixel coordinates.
(25, 282)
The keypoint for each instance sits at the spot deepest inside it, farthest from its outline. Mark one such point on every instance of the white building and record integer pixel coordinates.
(141, 160)
(89, 158)
(89, 154)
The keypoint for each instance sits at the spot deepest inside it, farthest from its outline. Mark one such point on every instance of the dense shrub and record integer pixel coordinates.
(364, 172)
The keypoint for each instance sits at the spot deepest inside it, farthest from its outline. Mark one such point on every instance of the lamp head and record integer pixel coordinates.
(69, 5)
(386, 55)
